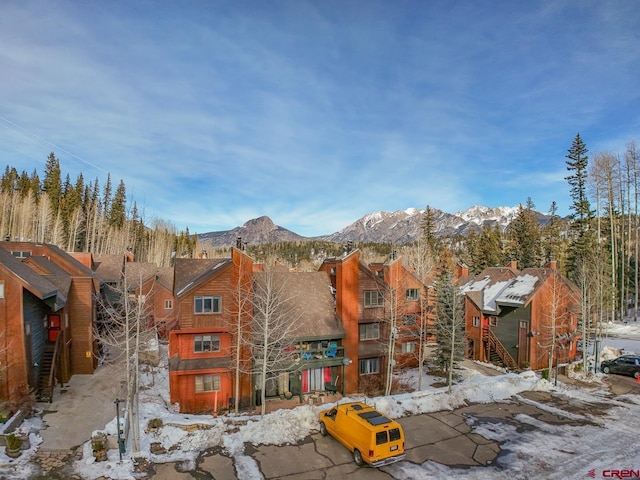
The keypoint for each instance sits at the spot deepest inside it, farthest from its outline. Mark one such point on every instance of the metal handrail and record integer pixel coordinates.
(54, 364)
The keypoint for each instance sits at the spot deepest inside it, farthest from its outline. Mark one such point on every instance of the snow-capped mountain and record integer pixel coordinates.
(397, 227)
(479, 214)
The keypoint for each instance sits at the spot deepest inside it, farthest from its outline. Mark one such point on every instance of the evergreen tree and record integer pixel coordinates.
(117, 212)
(8, 184)
(552, 243)
(52, 183)
(483, 249)
(429, 231)
(449, 325)
(24, 184)
(583, 242)
(524, 233)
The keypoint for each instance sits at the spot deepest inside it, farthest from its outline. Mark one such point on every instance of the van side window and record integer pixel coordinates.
(381, 437)
(394, 434)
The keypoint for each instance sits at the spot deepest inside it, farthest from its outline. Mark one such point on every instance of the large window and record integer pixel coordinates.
(206, 343)
(208, 304)
(207, 383)
(369, 331)
(369, 365)
(413, 294)
(373, 298)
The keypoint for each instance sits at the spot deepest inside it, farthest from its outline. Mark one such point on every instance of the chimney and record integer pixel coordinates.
(461, 270)
(513, 264)
(552, 264)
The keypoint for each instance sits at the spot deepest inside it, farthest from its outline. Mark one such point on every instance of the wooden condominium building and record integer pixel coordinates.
(521, 318)
(47, 313)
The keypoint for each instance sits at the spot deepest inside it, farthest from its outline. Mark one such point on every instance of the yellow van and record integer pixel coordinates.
(372, 437)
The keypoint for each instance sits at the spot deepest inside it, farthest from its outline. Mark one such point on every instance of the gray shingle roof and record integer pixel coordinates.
(309, 302)
(190, 272)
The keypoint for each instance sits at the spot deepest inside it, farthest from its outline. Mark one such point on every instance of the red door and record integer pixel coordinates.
(54, 327)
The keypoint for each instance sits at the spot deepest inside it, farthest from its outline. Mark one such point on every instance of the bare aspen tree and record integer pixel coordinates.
(392, 292)
(419, 259)
(557, 319)
(274, 327)
(123, 325)
(632, 159)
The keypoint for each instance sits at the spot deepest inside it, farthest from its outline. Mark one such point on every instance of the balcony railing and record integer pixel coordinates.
(319, 351)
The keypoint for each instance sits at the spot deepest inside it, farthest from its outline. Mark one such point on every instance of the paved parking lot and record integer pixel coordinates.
(444, 437)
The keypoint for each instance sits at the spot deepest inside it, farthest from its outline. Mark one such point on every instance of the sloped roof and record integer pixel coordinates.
(165, 277)
(52, 272)
(507, 287)
(180, 364)
(519, 291)
(307, 299)
(139, 272)
(78, 267)
(190, 272)
(31, 280)
(109, 267)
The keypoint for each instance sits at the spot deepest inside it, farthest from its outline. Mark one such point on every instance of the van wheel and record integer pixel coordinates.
(357, 457)
(323, 429)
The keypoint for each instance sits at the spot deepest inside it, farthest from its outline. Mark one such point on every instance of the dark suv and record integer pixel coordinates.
(624, 365)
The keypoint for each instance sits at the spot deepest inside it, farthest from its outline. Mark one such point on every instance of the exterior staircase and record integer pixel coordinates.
(498, 354)
(48, 366)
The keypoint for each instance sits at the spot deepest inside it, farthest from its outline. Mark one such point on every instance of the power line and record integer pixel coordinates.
(26, 133)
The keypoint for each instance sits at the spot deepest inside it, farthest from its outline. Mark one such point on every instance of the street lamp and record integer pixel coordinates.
(120, 439)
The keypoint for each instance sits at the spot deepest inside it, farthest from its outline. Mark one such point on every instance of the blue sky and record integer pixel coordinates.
(317, 113)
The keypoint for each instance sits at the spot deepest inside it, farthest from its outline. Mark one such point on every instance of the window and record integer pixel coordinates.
(413, 294)
(23, 254)
(209, 304)
(373, 298)
(333, 271)
(369, 331)
(168, 304)
(409, 347)
(369, 365)
(1, 289)
(381, 437)
(493, 321)
(408, 319)
(476, 321)
(207, 383)
(206, 343)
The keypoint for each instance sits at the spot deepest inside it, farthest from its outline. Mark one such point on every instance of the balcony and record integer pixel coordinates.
(318, 351)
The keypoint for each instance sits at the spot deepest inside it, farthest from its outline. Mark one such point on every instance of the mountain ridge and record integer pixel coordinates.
(397, 227)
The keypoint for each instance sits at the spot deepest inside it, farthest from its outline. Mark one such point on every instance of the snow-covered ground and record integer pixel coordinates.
(535, 454)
